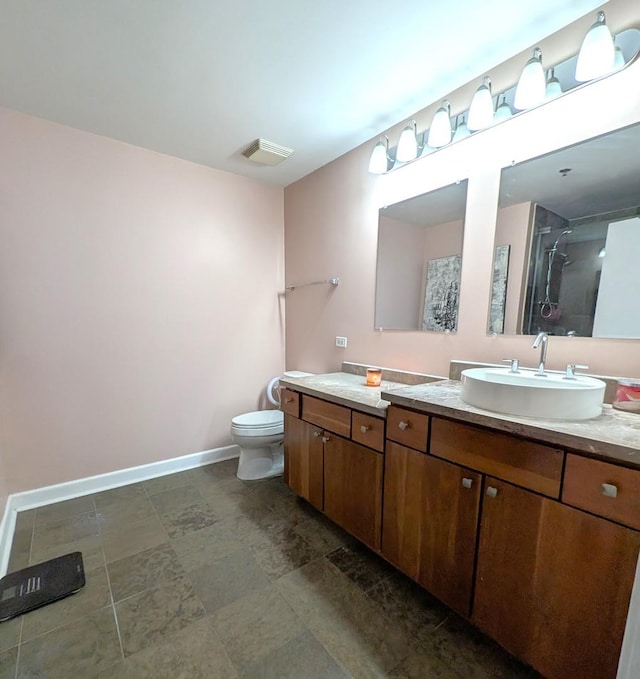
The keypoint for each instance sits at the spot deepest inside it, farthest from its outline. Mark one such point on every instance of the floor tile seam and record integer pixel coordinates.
(15, 674)
(113, 603)
(150, 495)
(158, 586)
(156, 583)
(154, 515)
(65, 624)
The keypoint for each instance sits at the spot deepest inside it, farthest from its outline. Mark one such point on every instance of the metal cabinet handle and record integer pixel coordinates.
(609, 490)
(317, 433)
(467, 483)
(403, 425)
(288, 400)
(491, 491)
(364, 428)
(325, 439)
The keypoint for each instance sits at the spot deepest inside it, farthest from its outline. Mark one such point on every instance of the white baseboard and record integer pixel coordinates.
(38, 497)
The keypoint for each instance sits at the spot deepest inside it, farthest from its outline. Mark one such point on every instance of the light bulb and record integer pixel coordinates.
(597, 54)
(408, 144)
(481, 109)
(378, 163)
(531, 87)
(440, 130)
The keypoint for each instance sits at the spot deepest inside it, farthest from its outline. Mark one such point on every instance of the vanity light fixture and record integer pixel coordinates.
(553, 88)
(531, 91)
(481, 109)
(462, 130)
(440, 131)
(531, 87)
(503, 111)
(597, 54)
(380, 159)
(408, 143)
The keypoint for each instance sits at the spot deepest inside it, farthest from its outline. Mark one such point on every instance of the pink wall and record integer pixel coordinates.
(331, 223)
(139, 303)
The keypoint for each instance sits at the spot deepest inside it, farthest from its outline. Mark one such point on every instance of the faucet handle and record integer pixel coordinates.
(570, 373)
(515, 364)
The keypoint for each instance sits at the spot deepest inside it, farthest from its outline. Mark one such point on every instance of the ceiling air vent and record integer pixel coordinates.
(266, 152)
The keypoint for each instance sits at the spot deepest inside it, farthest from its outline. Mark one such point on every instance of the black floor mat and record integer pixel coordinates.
(39, 585)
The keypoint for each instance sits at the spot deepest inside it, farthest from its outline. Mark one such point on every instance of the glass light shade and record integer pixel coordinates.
(531, 87)
(553, 88)
(461, 132)
(602, 252)
(440, 130)
(378, 163)
(597, 54)
(407, 144)
(481, 109)
(503, 111)
(618, 60)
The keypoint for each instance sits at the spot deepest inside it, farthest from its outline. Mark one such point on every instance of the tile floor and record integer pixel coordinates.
(198, 574)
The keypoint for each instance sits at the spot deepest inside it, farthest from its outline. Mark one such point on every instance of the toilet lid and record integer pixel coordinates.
(260, 419)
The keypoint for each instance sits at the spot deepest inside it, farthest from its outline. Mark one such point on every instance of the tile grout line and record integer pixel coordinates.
(113, 603)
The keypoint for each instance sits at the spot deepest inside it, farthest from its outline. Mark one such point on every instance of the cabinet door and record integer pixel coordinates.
(430, 522)
(303, 459)
(554, 583)
(353, 488)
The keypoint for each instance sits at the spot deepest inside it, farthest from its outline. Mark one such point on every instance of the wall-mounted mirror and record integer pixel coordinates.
(419, 261)
(568, 241)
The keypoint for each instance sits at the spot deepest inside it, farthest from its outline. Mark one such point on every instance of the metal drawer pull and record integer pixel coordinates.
(364, 428)
(288, 400)
(403, 425)
(317, 433)
(325, 439)
(609, 490)
(467, 483)
(491, 491)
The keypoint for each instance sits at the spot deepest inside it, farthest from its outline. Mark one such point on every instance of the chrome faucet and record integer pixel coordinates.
(541, 339)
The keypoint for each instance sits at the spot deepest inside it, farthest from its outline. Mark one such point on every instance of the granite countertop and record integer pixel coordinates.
(345, 389)
(614, 435)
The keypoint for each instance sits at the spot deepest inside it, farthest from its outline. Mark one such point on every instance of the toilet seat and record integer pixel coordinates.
(258, 423)
(259, 419)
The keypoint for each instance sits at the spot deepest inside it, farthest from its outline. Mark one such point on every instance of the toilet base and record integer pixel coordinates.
(261, 462)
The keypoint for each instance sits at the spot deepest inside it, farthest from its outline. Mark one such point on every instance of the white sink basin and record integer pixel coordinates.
(552, 397)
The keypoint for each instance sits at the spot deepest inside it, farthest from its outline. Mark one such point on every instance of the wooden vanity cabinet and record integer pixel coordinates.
(338, 475)
(553, 583)
(304, 460)
(430, 522)
(353, 488)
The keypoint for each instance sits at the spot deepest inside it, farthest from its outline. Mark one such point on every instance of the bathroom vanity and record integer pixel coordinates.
(528, 528)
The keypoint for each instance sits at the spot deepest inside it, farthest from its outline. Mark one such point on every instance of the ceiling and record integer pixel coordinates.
(201, 79)
(597, 176)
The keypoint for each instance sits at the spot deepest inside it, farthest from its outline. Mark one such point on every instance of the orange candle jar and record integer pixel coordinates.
(374, 377)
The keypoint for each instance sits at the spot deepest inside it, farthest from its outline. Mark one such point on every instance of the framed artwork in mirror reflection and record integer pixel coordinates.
(499, 289)
(442, 292)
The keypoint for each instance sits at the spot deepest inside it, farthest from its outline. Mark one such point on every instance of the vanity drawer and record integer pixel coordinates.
(367, 430)
(290, 402)
(524, 463)
(603, 489)
(330, 416)
(409, 428)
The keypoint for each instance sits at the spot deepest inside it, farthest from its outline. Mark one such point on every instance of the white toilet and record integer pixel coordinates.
(260, 434)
